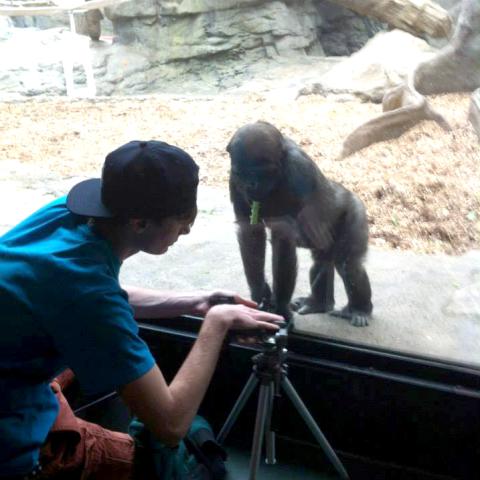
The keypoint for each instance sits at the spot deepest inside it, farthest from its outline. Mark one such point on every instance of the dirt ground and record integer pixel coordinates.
(422, 191)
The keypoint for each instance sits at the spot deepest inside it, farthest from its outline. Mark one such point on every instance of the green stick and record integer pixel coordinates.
(254, 212)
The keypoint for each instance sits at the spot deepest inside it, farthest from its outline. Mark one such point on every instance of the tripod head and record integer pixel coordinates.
(270, 364)
(276, 341)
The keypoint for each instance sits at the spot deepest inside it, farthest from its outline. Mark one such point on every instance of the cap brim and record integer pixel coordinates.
(85, 198)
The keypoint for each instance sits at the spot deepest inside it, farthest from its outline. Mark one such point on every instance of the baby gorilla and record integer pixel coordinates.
(301, 207)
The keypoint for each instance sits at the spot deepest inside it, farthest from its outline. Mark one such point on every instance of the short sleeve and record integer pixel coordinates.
(97, 336)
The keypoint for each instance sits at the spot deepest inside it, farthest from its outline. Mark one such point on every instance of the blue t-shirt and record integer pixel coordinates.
(61, 305)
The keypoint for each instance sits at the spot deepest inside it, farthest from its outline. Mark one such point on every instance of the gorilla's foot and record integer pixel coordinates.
(306, 305)
(357, 317)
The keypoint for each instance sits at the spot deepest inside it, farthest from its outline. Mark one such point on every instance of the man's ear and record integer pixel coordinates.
(138, 224)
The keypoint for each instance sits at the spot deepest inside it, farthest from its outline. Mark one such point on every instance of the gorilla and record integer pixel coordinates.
(272, 177)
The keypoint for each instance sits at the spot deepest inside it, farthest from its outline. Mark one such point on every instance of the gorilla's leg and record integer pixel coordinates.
(359, 292)
(284, 267)
(321, 298)
(253, 240)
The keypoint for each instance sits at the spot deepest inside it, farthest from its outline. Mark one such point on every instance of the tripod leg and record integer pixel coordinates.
(317, 433)
(239, 404)
(263, 397)
(269, 435)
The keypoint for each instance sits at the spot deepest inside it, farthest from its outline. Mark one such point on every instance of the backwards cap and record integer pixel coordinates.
(150, 180)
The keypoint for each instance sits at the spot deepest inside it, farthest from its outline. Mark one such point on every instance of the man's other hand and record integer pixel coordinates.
(243, 317)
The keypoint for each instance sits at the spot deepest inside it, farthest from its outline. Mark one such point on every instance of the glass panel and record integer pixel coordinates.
(194, 74)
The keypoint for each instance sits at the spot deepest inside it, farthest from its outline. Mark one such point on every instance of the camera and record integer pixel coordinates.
(269, 341)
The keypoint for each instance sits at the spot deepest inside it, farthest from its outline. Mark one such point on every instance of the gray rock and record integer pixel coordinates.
(200, 44)
(206, 34)
(203, 38)
(383, 63)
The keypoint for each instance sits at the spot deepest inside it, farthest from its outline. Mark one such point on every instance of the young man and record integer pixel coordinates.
(61, 306)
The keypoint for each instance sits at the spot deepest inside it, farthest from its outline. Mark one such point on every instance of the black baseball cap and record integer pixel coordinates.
(151, 180)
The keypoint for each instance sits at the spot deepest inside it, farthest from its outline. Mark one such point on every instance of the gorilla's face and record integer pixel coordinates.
(255, 179)
(256, 160)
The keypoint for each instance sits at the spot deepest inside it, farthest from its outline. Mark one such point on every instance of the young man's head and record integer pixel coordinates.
(149, 187)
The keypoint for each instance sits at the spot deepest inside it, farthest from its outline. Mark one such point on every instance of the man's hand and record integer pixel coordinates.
(243, 317)
(220, 297)
(151, 303)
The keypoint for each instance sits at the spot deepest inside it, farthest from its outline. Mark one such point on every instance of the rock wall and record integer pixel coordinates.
(277, 27)
(217, 42)
(206, 44)
(180, 30)
(211, 43)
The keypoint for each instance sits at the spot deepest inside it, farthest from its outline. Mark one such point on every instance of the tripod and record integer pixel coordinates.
(270, 371)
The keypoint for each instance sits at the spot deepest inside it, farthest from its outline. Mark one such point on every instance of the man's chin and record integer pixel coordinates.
(160, 251)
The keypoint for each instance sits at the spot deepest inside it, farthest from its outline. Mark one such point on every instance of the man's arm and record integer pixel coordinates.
(168, 410)
(150, 303)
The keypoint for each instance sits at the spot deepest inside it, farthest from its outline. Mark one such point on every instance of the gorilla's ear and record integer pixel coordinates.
(229, 146)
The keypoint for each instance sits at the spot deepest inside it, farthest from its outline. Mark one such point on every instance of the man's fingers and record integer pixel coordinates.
(244, 301)
(254, 322)
(268, 317)
(268, 326)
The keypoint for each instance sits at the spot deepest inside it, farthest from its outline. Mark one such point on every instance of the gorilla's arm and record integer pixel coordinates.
(284, 266)
(252, 240)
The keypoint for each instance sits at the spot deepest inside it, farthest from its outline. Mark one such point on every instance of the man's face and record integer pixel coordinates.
(159, 236)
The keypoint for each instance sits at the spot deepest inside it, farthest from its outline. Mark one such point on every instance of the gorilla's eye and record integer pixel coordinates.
(249, 174)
